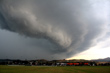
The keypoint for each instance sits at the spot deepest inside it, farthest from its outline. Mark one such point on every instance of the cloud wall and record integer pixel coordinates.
(65, 27)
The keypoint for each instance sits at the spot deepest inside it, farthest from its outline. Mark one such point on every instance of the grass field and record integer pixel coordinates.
(50, 69)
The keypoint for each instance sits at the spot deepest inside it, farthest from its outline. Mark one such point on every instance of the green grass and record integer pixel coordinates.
(44, 69)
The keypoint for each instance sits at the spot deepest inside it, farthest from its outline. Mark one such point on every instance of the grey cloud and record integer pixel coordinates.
(57, 27)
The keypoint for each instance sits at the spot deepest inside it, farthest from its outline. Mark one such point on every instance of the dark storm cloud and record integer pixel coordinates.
(57, 27)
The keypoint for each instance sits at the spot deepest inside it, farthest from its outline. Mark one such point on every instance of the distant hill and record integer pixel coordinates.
(102, 60)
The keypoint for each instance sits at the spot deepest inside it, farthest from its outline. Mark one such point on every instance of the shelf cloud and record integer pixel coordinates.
(60, 28)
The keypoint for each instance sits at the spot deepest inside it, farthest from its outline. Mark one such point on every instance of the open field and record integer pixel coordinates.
(50, 69)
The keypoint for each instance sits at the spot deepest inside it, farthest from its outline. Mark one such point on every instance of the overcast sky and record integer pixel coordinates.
(54, 29)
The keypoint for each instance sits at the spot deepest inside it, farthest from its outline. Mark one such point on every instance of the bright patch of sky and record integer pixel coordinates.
(101, 50)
